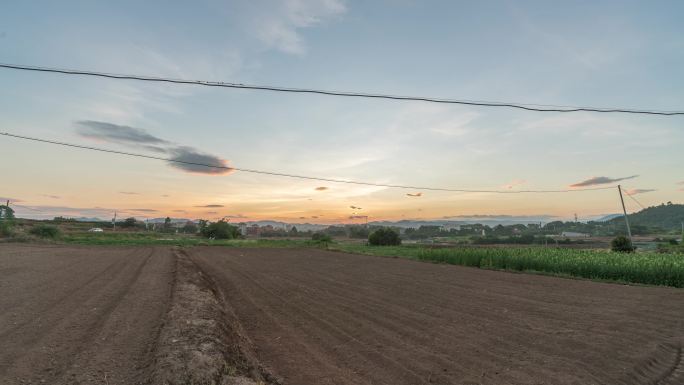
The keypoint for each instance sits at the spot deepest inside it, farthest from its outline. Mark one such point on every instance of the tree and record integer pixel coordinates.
(45, 231)
(6, 212)
(622, 244)
(190, 228)
(321, 237)
(293, 231)
(220, 230)
(128, 222)
(384, 237)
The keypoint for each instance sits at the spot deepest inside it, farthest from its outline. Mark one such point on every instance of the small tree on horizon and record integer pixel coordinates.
(384, 236)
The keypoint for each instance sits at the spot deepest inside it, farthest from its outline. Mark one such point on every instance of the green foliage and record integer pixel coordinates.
(6, 228)
(321, 237)
(360, 232)
(221, 230)
(645, 268)
(384, 237)
(668, 217)
(45, 231)
(622, 244)
(190, 228)
(6, 212)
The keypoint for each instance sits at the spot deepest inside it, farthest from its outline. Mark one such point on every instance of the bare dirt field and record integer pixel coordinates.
(148, 315)
(87, 315)
(317, 317)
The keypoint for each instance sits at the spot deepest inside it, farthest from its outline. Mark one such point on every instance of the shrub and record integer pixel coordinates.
(622, 244)
(45, 231)
(384, 237)
(321, 237)
(6, 228)
(220, 230)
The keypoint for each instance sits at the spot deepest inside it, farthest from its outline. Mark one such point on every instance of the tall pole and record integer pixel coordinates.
(629, 232)
(114, 222)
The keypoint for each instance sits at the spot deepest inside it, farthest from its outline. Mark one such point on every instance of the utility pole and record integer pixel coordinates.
(114, 222)
(622, 200)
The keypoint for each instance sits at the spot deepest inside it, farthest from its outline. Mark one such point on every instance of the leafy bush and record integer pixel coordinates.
(6, 228)
(220, 230)
(45, 231)
(321, 237)
(622, 244)
(384, 237)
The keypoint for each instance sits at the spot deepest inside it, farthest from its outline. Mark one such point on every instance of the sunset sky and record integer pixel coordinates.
(626, 54)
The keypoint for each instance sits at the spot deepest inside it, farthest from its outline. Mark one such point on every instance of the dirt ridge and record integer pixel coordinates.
(664, 367)
(196, 344)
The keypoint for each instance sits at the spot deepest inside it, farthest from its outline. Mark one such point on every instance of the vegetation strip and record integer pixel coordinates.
(641, 268)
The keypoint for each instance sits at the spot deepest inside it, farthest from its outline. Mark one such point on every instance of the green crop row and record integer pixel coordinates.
(643, 268)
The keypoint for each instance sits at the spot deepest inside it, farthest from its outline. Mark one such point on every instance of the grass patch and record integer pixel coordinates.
(147, 239)
(642, 268)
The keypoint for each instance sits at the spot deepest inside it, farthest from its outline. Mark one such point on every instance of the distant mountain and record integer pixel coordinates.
(665, 216)
(90, 219)
(286, 225)
(481, 219)
(608, 217)
(162, 220)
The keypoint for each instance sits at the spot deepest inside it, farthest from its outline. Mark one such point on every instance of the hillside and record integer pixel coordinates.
(665, 216)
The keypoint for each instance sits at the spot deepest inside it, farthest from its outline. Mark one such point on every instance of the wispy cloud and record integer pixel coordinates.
(355, 208)
(117, 133)
(321, 188)
(144, 210)
(210, 206)
(636, 191)
(52, 196)
(279, 28)
(514, 183)
(192, 160)
(416, 195)
(190, 155)
(129, 193)
(599, 180)
(4, 200)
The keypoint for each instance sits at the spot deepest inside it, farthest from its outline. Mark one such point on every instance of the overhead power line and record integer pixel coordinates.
(635, 200)
(273, 173)
(522, 106)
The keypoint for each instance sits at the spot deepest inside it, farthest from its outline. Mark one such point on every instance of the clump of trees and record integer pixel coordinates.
(220, 230)
(6, 221)
(321, 237)
(622, 244)
(45, 231)
(384, 236)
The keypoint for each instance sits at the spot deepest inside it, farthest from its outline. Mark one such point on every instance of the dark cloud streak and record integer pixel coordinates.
(599, 180)
(139, 138)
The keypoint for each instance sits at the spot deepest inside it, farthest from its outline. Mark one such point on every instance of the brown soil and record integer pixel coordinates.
(145, 315)
(81, 315)
(317, 317)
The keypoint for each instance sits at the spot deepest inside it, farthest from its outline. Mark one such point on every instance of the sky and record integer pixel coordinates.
(627, 54)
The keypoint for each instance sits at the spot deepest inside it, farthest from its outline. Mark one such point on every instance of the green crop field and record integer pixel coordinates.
(643, 268)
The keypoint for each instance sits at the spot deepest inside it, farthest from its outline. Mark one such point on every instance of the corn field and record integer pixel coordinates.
(644, 268)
